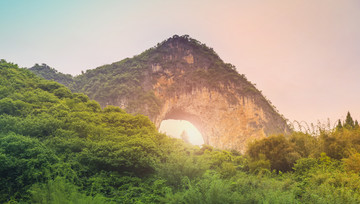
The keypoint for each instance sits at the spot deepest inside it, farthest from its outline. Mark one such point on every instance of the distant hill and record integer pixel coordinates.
(49, 73)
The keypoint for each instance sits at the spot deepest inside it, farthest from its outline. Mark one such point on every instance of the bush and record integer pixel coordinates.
(352, 164)
(277, 149)
(59, 191)
(23, 162)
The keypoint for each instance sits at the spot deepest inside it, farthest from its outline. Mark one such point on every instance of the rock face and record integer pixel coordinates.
(224, 125)
(183, 79)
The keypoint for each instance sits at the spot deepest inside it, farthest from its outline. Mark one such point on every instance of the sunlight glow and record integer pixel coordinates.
(175, 128)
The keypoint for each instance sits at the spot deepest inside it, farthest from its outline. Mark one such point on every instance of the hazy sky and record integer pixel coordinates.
(303, 54)
(175, 128)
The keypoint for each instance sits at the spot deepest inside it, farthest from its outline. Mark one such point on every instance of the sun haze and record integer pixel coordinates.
(175, 128)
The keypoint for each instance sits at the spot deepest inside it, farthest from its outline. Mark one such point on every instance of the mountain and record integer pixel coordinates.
(182, 78)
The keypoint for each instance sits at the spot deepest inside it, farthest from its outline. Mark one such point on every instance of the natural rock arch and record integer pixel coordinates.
(222, 124)
(182, 78)
(179, 114)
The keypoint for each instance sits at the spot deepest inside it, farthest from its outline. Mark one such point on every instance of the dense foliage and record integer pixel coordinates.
(60, 147)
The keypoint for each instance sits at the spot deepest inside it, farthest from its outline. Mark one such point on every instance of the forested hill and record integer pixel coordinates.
(182, 78)
(60, 147)
(129, 83)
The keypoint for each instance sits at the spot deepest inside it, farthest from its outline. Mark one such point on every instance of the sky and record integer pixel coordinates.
(175, 128)
(304, 55)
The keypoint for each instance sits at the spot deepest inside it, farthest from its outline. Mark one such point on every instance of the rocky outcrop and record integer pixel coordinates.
(193, 84)
(225, 123)
(222, 124)
(184, 79)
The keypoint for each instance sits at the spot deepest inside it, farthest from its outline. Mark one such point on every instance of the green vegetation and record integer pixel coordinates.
(61, 147)
(49, 73)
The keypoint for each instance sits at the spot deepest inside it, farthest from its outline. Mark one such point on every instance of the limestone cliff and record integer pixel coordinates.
(181, 78)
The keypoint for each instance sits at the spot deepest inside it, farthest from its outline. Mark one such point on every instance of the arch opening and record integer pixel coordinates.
(182, 129)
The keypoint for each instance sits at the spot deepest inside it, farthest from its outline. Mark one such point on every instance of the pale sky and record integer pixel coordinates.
(303, 54)
(174, 128)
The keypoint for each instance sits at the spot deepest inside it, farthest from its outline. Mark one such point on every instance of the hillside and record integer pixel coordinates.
(182, 78)
(47, 132)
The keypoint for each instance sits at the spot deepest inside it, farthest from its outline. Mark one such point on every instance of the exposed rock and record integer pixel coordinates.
(189, 59)
(223, 124)
(155, 68)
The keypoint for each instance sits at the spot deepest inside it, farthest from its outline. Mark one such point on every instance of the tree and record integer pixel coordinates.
(63, 92)
(356, 126)
(339, 125)
(352, 163)
(304, 144)
(23, 162)
(277, 149)
(349, 122)
(184, 136)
